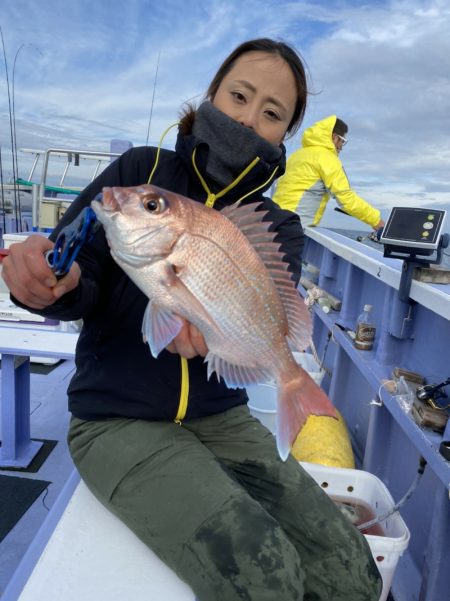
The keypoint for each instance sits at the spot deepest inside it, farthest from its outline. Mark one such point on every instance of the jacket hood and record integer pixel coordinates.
(319, 134)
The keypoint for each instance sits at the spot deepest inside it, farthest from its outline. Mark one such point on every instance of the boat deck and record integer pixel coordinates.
(49, 422)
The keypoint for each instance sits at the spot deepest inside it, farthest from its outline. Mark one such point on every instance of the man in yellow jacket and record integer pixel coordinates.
(315, 172)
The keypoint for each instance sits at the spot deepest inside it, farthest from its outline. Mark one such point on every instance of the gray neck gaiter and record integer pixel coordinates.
(232, 146)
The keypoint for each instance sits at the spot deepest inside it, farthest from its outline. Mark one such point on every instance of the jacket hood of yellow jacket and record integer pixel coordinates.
(319, 134)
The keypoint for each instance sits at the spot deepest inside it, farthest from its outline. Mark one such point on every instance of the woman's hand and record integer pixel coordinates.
(30, 279)
(189, 342)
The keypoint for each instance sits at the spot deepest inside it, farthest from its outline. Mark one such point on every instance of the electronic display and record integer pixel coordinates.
(412, 227)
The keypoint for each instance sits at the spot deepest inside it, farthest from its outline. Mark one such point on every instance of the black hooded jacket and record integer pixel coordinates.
(115, 373)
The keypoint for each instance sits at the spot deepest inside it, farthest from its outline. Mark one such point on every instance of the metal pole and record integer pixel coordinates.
(35, 207)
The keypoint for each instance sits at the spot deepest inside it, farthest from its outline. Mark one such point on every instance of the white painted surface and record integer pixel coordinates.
(93, 556)
(35, 341)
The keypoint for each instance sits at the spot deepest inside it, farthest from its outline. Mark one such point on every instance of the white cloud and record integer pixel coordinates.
(386, 71)
(86, 75)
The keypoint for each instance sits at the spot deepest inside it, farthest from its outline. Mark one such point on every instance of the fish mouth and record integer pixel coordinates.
(130, 243)
(124, 244)
(102, 211)
(109, 210)
(110, 201)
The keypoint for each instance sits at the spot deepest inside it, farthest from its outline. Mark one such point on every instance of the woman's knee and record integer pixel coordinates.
(348, 574)
(241, 553)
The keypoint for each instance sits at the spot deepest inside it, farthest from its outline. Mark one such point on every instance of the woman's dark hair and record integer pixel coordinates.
(280, 49)
(269, 46)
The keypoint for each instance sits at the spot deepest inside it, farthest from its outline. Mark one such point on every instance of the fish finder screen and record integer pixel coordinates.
(414, 226)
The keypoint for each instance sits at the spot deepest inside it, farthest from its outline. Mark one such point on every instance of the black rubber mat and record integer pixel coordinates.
(16, 497)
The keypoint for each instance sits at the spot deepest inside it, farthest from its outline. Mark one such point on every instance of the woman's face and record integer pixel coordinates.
(259, 92)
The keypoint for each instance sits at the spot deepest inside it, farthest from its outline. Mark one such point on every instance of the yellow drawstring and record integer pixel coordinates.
(184, 393)
(238, 202)
(159, 150)
(211, 198)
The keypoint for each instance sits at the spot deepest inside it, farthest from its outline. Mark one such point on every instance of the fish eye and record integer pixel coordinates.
(154, 204)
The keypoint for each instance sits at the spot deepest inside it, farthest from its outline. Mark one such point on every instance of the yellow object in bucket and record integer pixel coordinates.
(326, 441)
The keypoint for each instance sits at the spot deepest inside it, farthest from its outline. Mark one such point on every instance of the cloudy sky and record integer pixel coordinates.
(84, 73)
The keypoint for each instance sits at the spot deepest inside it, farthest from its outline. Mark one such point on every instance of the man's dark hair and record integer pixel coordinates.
(340, 128)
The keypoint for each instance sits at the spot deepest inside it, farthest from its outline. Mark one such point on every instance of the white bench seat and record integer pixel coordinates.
(91, 555)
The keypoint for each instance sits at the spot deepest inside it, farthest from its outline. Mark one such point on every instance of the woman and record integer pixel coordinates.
(177, 457)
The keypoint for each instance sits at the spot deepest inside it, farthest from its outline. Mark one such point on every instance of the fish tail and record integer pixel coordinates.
(298, 398)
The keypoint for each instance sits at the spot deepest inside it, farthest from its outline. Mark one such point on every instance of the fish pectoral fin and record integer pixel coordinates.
(297, 400)
(234, 376)
(159, 327)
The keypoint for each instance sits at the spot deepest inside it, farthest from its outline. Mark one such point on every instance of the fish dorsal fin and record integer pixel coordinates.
(250, 223)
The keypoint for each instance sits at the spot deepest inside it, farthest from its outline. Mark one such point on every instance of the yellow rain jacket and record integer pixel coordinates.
(313, 174)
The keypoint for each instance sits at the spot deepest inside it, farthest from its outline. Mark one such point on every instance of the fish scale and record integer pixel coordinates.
(241, 296)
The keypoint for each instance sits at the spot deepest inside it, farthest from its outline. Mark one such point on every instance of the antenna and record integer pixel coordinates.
(153, 99)
(14, 138)
(2, 191)
(17, 207)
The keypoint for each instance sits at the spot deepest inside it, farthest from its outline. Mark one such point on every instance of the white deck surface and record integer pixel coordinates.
(93, 556)
(35, 341)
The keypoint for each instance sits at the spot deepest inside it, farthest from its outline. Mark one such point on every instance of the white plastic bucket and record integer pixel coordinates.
(309, 364)
(360, 486)
(262, 402)
(263, 397)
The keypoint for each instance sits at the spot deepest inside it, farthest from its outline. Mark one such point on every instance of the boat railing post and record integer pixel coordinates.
(43, 180)
(35, 162)
(35, 207)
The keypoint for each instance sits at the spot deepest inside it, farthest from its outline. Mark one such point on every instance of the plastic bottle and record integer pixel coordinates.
(365, 330)
(324, 303)
(310, 272)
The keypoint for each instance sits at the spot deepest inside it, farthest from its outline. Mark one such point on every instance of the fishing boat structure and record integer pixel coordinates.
(48, 549)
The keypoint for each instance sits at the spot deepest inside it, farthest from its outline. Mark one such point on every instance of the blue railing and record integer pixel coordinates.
(386, 439)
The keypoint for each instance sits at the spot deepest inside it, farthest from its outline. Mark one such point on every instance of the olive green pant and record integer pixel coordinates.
(213, 500)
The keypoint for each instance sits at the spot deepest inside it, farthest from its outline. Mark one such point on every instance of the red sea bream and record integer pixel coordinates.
(222, 272)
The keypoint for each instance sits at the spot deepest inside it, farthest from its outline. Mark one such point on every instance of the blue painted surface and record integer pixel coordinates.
(386, 440)
(37, 546)
(49, 421)
(17, 448)
(16, 347)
